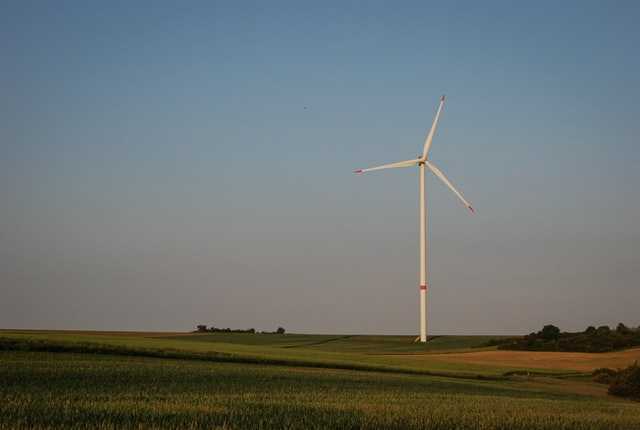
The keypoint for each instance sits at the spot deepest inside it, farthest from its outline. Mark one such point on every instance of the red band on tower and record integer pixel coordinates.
(423, 287)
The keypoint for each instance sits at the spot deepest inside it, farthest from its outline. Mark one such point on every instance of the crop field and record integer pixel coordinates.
(113, 380)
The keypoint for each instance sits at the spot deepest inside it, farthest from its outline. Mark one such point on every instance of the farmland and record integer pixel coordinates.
(123, 380)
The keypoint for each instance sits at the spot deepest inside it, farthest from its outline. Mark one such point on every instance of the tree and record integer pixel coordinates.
(603, 330)
(622, 329)
(280, 330)
(550, 332)
(201, 328)
(591, 330)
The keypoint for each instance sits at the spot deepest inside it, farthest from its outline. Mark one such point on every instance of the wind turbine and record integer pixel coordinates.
(421, 162)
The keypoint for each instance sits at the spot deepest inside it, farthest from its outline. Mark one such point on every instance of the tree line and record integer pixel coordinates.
(592, 339)
(201, 328)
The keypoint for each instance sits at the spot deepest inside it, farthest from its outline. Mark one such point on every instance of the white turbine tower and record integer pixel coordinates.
(421, 162)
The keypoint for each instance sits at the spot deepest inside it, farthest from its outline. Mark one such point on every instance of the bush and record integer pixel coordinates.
(497, 342)
(627, 382)
(280, 330)
(604, 375)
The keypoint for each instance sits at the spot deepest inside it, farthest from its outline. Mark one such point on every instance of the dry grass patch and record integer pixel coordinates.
(579, 361)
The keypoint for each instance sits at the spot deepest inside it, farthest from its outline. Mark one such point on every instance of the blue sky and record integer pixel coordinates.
(166, 164)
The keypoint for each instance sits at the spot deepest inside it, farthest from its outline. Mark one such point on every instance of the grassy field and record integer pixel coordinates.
(399, 354)
(291, 381)
(333, 343)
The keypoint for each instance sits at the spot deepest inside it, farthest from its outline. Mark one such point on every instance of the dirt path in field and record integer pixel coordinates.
(581, 361)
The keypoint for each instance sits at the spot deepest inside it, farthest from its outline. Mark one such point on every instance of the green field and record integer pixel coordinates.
(144, 380)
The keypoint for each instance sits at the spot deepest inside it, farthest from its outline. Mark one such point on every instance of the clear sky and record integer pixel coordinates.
(168, 164)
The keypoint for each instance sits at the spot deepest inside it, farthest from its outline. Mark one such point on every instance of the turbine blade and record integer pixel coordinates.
(446, 181)
(407, 163)
(432, 132)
